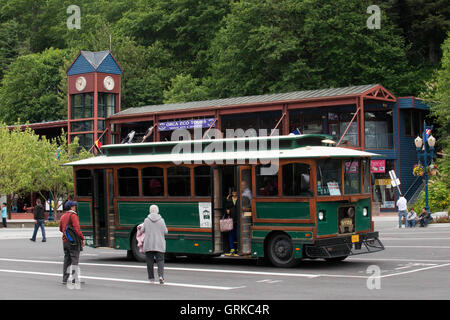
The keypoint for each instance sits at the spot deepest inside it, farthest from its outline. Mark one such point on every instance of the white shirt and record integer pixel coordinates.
(402, 204)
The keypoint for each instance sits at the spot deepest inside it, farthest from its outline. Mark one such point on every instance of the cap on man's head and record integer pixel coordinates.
(69, 204)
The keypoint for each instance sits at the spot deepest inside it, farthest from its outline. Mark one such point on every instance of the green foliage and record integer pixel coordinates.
(184, 88)
(30, 88)
(30, 163)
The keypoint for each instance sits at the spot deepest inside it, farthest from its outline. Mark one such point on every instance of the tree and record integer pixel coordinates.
(31, 163)
(30, 88)
(185, 88)
(278, 46)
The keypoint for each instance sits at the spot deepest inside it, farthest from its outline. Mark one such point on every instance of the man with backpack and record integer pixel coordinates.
(73, 241)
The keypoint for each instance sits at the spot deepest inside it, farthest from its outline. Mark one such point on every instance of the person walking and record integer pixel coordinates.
(39, 216)
(71, 250)
(402, 206)
(4, 214)
(411, 219)
(232, 207)
(154, 246)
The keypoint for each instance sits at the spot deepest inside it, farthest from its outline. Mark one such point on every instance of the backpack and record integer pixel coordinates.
(71, 235)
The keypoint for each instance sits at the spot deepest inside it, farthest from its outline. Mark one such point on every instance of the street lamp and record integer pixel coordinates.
(425, 151)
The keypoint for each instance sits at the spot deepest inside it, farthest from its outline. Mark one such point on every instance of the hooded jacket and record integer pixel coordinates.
(154, 229)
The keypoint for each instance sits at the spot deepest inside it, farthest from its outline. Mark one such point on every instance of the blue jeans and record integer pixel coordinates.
(411, 223)
(402, 214)
(39, 224)
(232, 236)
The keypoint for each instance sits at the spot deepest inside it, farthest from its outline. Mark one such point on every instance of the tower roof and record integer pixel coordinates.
(89, 61)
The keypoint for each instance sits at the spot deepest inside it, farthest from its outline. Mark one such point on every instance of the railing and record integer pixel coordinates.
(414, 190)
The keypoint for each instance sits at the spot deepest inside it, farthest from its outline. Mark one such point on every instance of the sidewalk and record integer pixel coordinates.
(26, 233)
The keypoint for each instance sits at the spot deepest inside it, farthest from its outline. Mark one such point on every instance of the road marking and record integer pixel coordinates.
(412, 232)
(420, 239)
(416, 270)
(173, 268)
(395, 259)
(430, 247)
(188, 285)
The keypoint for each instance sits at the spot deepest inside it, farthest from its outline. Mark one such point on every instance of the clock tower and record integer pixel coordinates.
(93, 95)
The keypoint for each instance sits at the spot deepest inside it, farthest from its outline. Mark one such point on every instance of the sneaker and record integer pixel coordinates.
(161, 280)
(151, 281)
(43, 240)
(31, 239)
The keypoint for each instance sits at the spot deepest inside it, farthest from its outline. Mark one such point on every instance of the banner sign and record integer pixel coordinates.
(185, 124)
(205, 213)
(378, 166)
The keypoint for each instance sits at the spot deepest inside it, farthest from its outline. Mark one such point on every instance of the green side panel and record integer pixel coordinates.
(122, 243)
(175, 214)
(84, 213)
(363, 223)
(188, 245)
(329, 225)
(282, 210)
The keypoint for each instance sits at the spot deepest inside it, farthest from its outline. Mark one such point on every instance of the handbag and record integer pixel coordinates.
(226, 224)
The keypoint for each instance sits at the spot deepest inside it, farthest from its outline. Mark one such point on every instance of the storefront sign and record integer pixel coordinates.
(377, 166)
(185, 124)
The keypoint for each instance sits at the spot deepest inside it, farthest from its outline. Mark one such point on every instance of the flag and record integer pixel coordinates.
(427, 133)
(98, 144)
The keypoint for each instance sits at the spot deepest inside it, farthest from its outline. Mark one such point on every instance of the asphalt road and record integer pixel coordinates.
(415, 265)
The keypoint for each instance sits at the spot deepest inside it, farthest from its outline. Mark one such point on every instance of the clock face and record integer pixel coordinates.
(80, 83)
(108, 82)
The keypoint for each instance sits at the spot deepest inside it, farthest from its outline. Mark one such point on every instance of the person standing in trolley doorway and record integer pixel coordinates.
(232, 208)
(71, 249)
(402, 206)
(154, 229)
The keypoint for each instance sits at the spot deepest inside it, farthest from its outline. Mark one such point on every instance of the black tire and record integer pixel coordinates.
(280, 251)
(336, 259)
(138, 256)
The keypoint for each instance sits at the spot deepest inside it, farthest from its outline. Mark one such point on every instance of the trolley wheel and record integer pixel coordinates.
(336, 259)
(281, 251)
(138, 256)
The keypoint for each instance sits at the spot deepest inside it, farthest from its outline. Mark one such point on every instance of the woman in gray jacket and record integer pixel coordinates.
(154, 229)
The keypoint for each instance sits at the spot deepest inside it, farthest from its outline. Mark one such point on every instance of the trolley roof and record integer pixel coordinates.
(217, 151)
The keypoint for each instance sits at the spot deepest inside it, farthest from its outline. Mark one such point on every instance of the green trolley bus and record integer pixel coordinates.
(299, 197)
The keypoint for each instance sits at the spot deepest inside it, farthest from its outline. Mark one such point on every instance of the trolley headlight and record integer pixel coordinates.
(365, 212)
(321, 215)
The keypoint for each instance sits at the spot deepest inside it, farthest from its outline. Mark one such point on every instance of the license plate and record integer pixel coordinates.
(355, 238)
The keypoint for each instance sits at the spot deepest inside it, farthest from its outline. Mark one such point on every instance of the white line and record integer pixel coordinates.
(416, 270)
(420, 239)
(411, 233)
(125, 280)
(430, 247)
(173, 268)
(396, 259)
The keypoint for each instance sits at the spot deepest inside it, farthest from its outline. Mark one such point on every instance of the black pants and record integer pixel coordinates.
(4, 222)
(71, 257)
(159, 256)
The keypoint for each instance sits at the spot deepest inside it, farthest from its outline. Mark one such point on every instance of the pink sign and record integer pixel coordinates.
(378, 166)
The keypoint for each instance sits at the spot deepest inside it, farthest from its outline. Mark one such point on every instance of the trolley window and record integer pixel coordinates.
(152, 182)
(329, 177)
(296, 180)
(266, 181)
(202, 180)
(179, 181)
(128, 182)
(84, 183)
(352, 177)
